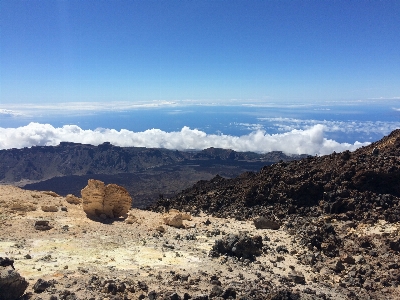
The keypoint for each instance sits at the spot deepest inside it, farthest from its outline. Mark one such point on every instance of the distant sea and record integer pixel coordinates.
(344, 122)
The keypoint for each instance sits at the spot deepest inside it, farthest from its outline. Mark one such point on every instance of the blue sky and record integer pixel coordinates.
(83, 51)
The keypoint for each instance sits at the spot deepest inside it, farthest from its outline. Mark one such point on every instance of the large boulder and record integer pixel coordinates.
(12, 285)
(110, 200)
(238, 245)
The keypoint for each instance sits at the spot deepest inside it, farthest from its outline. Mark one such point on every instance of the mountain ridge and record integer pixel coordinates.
(44, 162)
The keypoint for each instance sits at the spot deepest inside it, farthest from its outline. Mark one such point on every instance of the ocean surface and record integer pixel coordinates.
(359, 121)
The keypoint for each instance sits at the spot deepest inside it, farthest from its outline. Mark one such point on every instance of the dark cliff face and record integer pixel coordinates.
(66, 159)
(362, 184)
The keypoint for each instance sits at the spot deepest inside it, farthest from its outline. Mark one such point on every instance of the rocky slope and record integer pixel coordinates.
(319, 228)
(62, 254)
(361, 185)
(323, 201)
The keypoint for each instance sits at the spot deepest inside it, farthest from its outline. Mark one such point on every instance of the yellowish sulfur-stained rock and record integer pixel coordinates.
(111, 200)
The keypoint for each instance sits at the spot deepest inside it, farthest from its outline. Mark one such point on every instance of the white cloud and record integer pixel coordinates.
(311, 141)
(10, 113)
(83, 107)
(367, 127)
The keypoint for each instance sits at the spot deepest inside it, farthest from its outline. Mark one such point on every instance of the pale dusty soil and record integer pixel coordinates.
(138, 252)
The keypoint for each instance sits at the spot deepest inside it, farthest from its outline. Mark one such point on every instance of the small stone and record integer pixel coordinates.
(49, 208)
(42, 225)
(348, 259)
(160, 229)
(130, 219)
(229, 293)
(41, 285)
(296, 277)
(337, 266)
(152, 295)
(216, 291)
(174, 220)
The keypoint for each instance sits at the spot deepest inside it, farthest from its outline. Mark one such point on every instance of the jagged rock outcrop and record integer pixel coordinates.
(12, 284)
(110, 200)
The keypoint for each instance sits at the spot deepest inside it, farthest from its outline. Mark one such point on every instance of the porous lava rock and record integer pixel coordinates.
(12, 284)
(110, 200)
(239, 245)
(41, 285)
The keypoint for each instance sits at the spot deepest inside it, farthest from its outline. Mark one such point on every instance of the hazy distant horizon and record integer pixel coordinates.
(293, 128)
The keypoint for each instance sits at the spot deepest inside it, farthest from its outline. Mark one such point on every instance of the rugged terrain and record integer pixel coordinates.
(144, 172)
(77, 257)
(318, 228)
(324, 202)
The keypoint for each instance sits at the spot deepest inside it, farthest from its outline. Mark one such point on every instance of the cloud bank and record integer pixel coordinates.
(367, 127)
(309, 141)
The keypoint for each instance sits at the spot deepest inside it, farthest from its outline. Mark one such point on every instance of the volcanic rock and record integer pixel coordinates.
(12, 285)
(348, 259)
(111, 200)
(41, 285)
(5, 262)
(296, 277)
(264, 223)
(350, 184)
(42, 225)
(238, 245)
